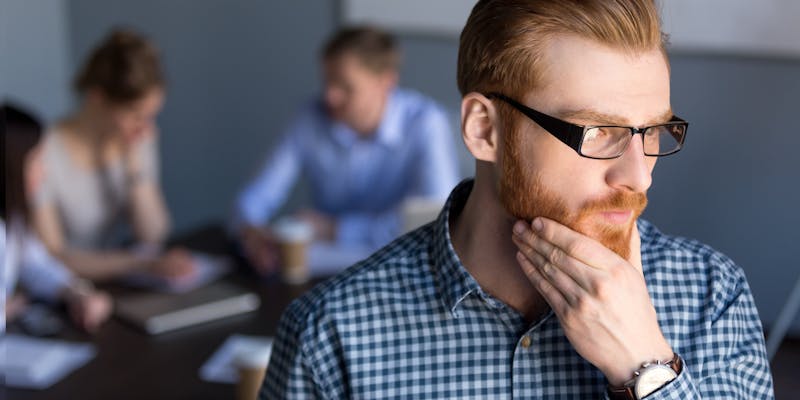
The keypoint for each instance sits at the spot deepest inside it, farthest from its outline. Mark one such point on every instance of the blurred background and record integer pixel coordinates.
(238, 69)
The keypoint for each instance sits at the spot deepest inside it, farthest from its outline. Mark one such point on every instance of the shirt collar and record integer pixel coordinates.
(389, 130)
(455, 284)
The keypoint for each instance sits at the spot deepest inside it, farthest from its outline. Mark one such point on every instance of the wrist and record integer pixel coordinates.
(649, 378)
(134, 177)
(146, 256)
(618, 374)
(78, 289)
(131, 160)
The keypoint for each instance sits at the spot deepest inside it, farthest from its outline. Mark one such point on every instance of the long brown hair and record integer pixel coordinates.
(125, 66)
(21, 132)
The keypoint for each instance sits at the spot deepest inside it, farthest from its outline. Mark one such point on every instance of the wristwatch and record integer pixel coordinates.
(648, 379)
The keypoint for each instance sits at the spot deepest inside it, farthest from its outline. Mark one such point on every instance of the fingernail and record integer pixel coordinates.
(537, 224)
(519, 228)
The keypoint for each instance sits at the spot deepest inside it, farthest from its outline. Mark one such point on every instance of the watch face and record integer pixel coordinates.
(652, 379)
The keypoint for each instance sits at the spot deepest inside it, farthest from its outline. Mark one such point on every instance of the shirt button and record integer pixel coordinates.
(526, 342)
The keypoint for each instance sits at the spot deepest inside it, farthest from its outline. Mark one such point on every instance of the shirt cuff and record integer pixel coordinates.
(47, 284)
(682, 388)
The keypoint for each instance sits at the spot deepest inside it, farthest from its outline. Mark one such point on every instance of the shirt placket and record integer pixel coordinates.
(360, 167)
(527, 364)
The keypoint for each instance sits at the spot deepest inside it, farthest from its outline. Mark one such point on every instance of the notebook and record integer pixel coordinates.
(163, 312)
(208, 268)
(34, 363)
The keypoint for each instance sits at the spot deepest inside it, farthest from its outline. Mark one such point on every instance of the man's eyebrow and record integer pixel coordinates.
(599, 118)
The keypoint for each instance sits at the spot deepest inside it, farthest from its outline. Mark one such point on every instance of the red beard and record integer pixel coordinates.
(526, 197)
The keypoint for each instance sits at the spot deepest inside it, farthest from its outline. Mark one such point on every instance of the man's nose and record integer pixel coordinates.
(632, 171)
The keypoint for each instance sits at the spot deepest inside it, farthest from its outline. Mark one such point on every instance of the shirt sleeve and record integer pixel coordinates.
(437, 172)
(291, 372)
(42, 275)
(266, 192)
(730, 362)
(6, 286)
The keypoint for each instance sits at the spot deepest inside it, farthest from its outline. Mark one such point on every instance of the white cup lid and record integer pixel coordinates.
(253, 358)
(293, 229)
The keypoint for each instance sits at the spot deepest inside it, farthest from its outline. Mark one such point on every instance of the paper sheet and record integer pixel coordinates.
(33, 363)
(220, 368)
(208, 269)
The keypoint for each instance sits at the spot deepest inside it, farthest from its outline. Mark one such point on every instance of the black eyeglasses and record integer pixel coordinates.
(606, 142)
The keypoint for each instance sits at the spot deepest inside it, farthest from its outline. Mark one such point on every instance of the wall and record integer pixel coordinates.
(34, 39)
(735, 186)
(236, 70)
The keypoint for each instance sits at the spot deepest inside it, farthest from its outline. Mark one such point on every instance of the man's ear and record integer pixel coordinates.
(479, 127)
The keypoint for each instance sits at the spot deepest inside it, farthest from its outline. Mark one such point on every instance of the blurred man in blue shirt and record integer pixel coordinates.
(364, 147)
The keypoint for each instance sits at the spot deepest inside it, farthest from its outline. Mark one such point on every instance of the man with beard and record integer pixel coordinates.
(538, 280)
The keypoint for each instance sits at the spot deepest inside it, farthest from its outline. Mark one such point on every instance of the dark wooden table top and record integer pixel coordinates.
(133, 365)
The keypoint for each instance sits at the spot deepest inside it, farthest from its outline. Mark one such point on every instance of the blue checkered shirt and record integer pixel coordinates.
(410, 322)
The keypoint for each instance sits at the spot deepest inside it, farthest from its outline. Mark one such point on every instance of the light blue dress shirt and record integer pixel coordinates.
(26, 261)
(361, 182)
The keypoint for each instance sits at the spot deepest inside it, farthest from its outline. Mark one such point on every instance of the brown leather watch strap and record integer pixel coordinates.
(626, 392)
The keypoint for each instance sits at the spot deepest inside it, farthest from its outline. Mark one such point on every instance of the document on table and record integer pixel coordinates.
(208, 268)
(33, 363)
(220, 367)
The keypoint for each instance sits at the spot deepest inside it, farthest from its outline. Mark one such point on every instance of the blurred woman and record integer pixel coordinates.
(101, 162)
(25, 258)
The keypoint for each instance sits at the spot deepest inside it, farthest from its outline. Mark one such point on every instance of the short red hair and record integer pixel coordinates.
(502, 43)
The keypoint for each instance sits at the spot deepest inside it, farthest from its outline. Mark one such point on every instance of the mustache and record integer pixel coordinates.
(617, 201)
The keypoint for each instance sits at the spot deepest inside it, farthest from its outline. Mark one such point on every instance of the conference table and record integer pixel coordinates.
(133, 365)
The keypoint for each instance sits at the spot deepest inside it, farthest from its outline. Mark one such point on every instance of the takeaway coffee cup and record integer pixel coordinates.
(293, 235)
(251, 366)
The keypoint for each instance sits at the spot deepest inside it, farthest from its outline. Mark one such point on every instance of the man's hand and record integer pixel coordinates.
(261, 250)
(600, 298)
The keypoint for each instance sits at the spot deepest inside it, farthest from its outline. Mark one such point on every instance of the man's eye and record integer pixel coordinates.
(595, 134)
